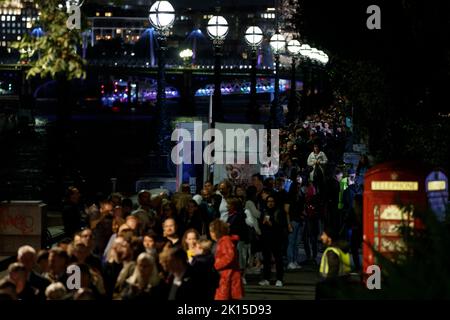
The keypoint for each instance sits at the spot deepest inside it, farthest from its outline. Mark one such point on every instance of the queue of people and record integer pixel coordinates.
(202, 247)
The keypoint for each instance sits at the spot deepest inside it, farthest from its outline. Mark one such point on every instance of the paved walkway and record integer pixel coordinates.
(298, 285)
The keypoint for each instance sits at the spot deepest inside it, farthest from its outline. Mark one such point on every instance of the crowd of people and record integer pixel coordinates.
(202, 247)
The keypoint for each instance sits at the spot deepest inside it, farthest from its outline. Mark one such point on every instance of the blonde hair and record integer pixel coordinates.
(205, 245)
(165, 255)
(181, 200)
(117, 223)
(136, 277)
(55, 291)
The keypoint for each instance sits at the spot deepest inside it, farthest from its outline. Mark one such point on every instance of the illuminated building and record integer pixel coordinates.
(16, 18)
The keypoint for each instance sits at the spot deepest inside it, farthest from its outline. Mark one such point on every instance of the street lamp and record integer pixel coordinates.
(323, 57)
(254, 37)
(187, 99)
(277, 42)
(305, 51)
(162, 17)
(293, 48)
(186, 54)
(217, 30)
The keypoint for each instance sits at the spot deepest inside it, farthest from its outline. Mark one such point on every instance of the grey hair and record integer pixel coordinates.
(25, 249)
(55, 291)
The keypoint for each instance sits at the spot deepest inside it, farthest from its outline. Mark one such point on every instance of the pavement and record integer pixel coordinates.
(298, 285)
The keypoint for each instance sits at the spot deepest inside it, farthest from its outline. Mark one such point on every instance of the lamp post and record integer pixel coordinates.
(187, 98)
(305, 50)
(162, 17)
(322, 60)
(293, 47)
(217, 30)
(186, 55)
(277, 42)
(254, 37)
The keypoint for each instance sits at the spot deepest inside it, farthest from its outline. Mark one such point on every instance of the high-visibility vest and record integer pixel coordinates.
(344, 262)
(343, 185)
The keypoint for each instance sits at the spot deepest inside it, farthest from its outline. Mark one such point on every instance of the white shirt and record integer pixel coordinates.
(223, 208)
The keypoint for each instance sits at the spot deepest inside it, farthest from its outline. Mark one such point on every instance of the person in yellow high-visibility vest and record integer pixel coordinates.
(336, 258)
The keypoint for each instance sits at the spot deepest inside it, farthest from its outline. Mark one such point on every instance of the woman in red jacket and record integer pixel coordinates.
(226, 262)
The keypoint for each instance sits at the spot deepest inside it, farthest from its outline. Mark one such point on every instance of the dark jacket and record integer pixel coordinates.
(279, 225)
(40, 283)
(204, 265)
(133, 293)
(333, 195)
(191, 222)
(29, 293)
(72, 219)
(238, 226)
(102, 233)
(111, 271)
(190, 288)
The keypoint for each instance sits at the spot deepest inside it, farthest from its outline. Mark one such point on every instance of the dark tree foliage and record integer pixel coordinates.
(396, 78)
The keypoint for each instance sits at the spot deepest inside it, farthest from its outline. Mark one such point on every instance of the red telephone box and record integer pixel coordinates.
(386, 186)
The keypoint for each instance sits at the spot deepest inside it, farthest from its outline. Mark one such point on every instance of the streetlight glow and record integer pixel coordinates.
(162, 15)
(277, 42)
(293, 47)
(217, 27)
(305, 49)
(254, 35)
(186, 54)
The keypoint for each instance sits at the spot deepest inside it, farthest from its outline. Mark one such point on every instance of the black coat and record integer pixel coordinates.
(133, 293)
(279, 227)
(204, 265)
(239, 227)
(110, 273)
(40, 283)
(72, 219)
(191, 288)
(29, 293)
